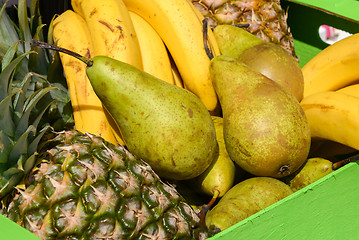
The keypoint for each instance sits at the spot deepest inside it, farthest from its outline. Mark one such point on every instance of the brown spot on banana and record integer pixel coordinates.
(107, 25)
(321, 106)
(93, 12)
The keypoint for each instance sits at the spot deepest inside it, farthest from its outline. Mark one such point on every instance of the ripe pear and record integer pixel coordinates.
(267, 58)
(166, 126)
(313, 170)
(265, 129)
(219, 177)
(245, 199)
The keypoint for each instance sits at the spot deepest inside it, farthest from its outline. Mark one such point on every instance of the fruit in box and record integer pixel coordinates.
(264, 57)
(265, 129)
(245, 199)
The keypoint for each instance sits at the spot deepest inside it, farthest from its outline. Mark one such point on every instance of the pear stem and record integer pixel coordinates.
(341, 163)
(36, 43)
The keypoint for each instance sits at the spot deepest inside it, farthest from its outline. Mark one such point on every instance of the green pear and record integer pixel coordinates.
(265, 129)
(220, 175)
(245, 199)
(267, 58)
(313, 170)
(232, 40)
(166, 126)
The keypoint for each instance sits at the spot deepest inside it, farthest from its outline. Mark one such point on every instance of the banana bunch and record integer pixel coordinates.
(333, 68)
(163, 38)
(331, 101)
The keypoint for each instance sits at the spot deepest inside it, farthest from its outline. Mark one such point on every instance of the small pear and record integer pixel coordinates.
(269, 59)
(245, 199)
(313, 170)
(166, 126)
(265, 129)
(220, 175)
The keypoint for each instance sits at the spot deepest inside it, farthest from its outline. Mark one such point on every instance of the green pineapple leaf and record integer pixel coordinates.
(9, 55)
(5, 75)
(20, 147)
(25, 32)
(8, 33)
(9, 179)
(6, 122)
(30, 103)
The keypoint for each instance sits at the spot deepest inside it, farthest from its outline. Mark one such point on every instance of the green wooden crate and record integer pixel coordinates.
(325, 210)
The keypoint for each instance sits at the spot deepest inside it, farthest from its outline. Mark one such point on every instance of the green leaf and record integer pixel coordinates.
(9, 179)
(33, 146)
(9, 55)
(5, 148)
(7, 124)
(5, 75)
(29, 163)
(19, 100)
(21, 146)
(39, 62)
(29, 105)
(55, 72)
(8, 34)
(24, 24)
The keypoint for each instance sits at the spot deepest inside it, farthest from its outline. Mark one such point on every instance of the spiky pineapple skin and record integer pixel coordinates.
(87, 188)
(266, 18)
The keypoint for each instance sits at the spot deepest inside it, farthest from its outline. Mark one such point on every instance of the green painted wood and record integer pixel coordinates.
(325, 210)
(305, 51)
(345, 8)
(11, 231)
(304, 20)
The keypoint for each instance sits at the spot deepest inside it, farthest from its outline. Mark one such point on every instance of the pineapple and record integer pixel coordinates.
(87, 188)
(266, 18)
(66, 184)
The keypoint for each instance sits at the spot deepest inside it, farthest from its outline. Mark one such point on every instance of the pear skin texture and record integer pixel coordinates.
(277, 64)
(313, 170)
(168, 127)
(265, 129)
(220, 175)
(245, 199)
(232, 40)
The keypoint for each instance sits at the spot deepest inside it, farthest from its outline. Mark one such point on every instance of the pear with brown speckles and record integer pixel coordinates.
(166, 126)
(265, 129)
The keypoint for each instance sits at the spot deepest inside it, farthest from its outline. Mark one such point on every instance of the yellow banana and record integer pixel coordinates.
(176, 75)
(334, 67)
(333, 115)
(111, 28)
(112, 34)
(70, 32)
(351, 90)
(182, 32)
(154, 54)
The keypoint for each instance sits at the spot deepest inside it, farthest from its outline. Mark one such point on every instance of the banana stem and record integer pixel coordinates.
(36, 43)
(205, 38)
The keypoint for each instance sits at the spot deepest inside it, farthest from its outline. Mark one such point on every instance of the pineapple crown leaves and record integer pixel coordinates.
(18, 139)
(8, 33)
(45, 63)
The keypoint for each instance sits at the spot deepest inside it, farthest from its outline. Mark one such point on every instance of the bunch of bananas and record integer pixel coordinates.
(331, 92)
(153, 36)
